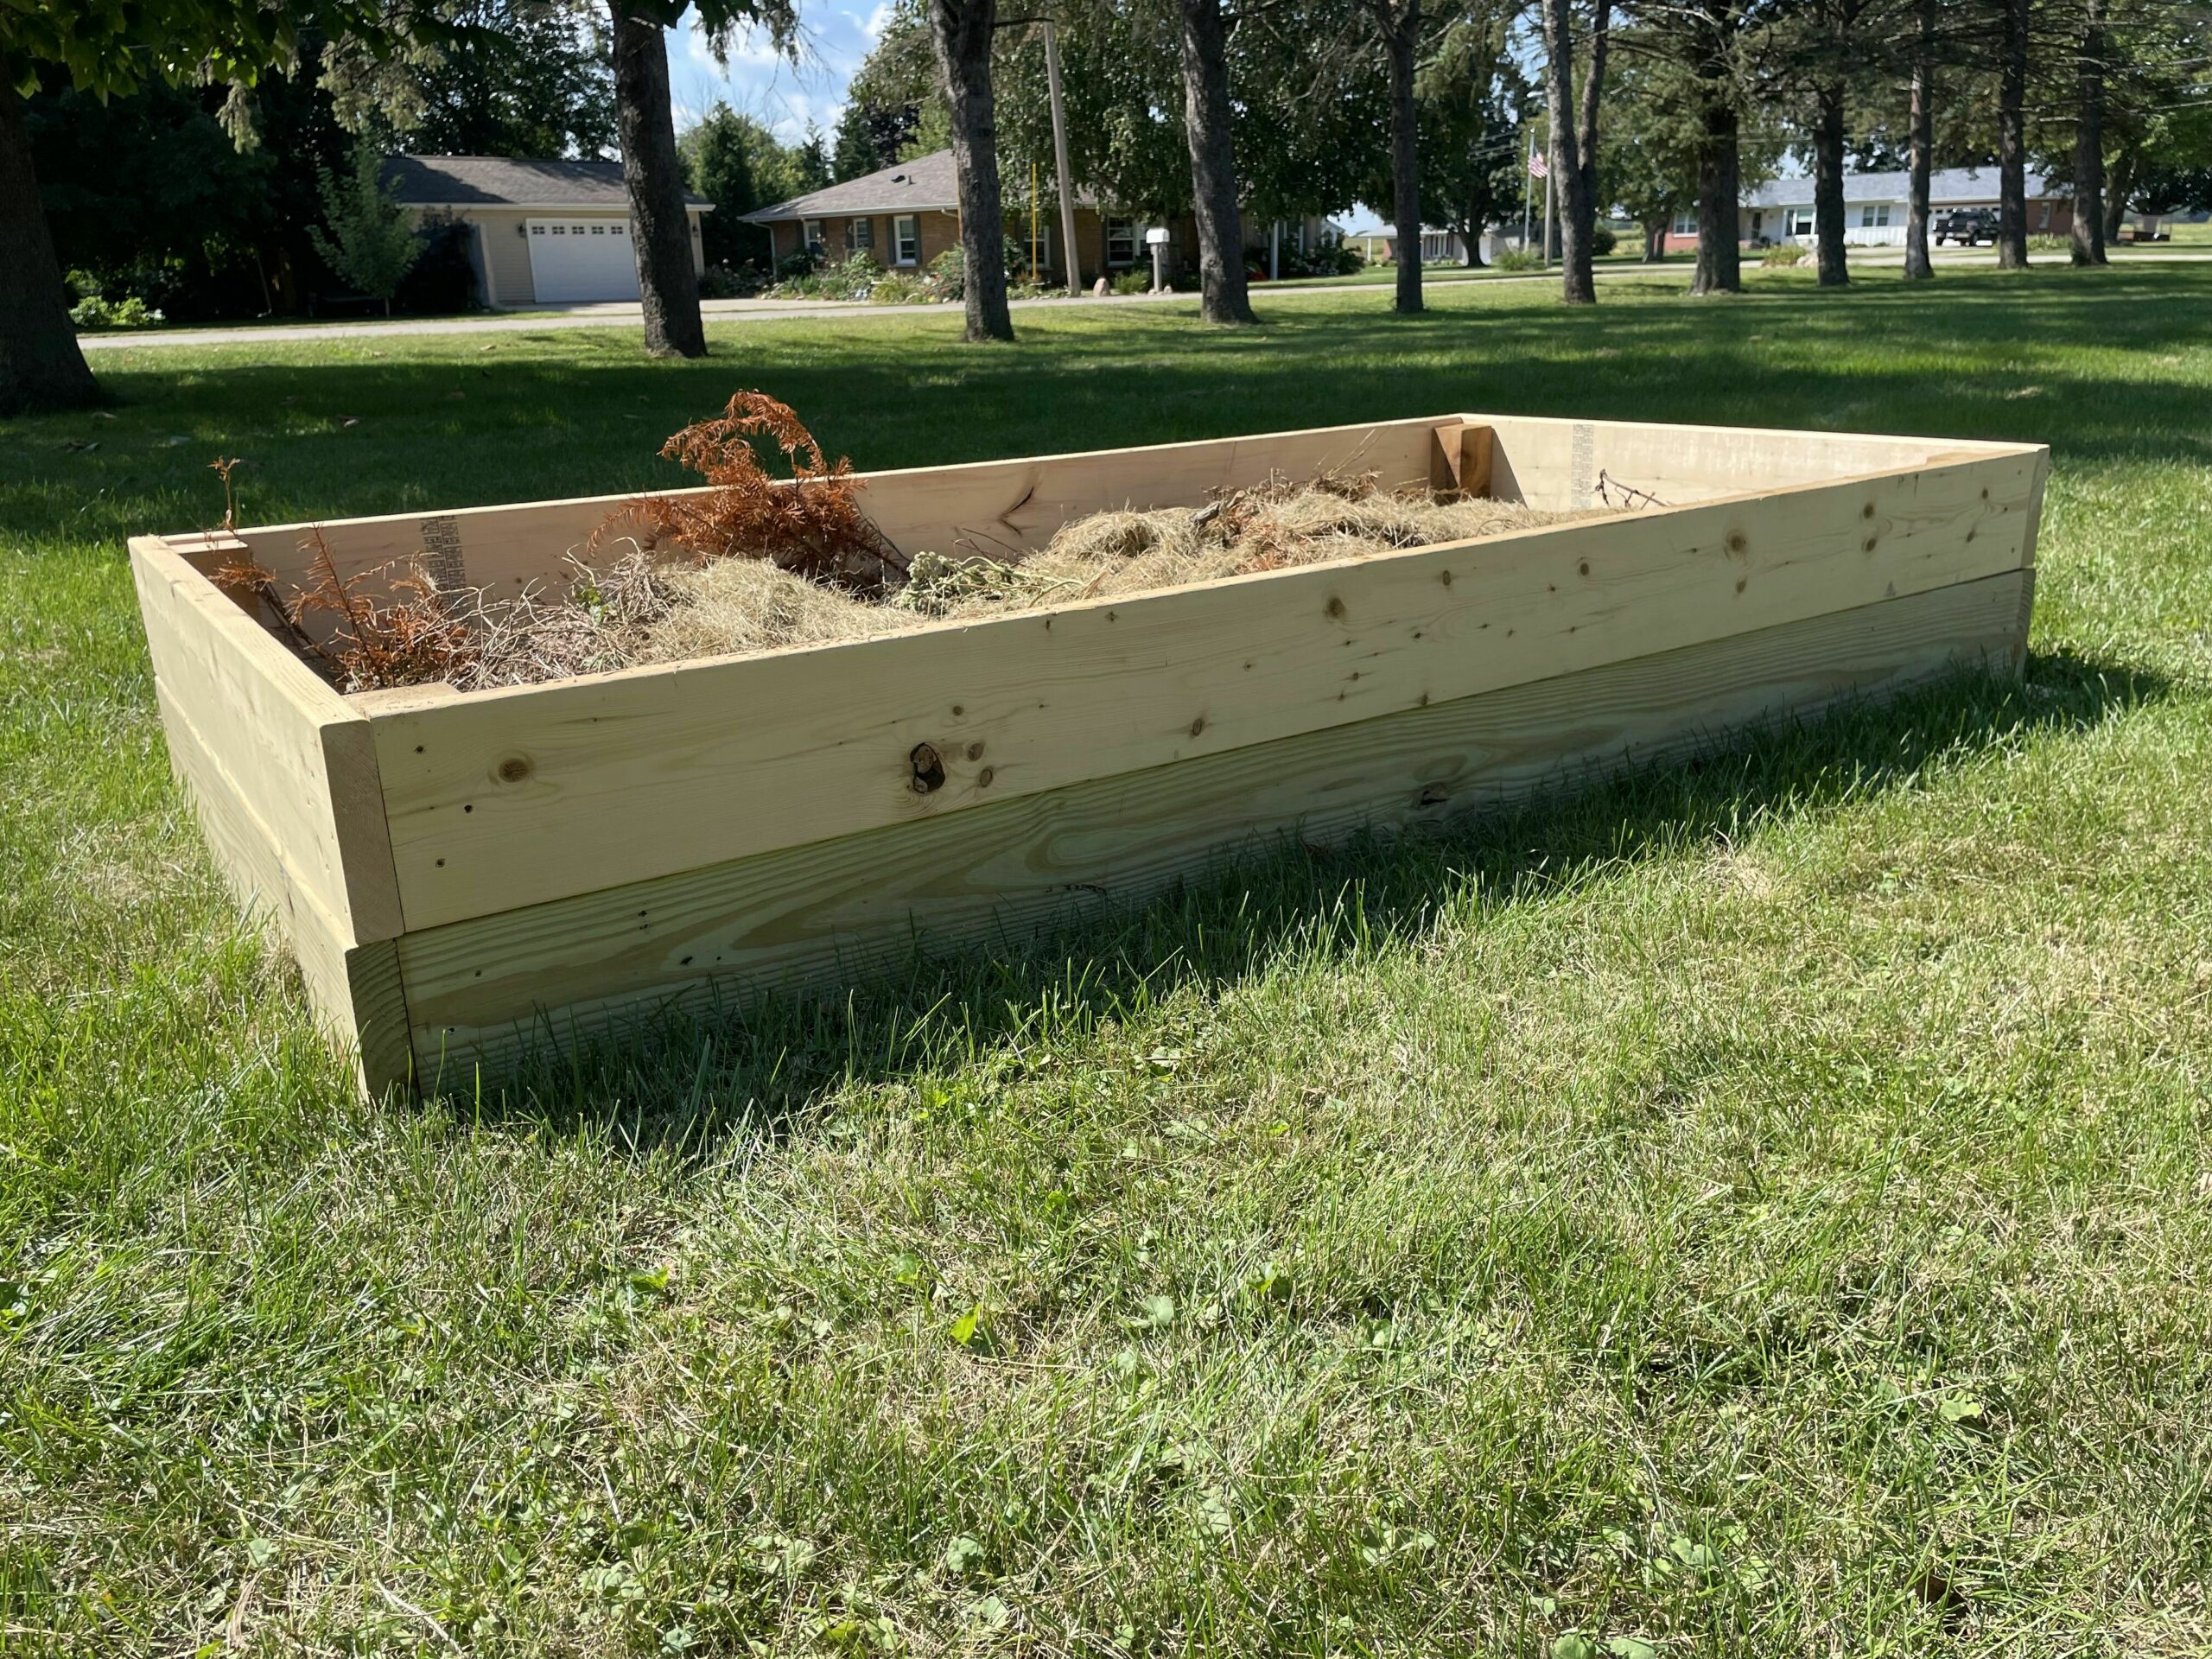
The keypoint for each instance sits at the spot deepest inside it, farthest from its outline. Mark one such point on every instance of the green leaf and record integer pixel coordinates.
(967, 1329)
(1959, 1409)
(1631, 1647)
(1575, 1645)
(963, 1555)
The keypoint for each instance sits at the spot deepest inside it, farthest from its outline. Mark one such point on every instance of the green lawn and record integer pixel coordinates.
(1758, 1209)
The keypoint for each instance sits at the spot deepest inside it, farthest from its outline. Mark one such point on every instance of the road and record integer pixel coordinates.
(602, 317)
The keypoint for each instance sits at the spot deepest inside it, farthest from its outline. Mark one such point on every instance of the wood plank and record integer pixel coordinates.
(1557, 463)
(986, 505)
(821, 914)
(301, 761)
(516, 796)
(353, 990)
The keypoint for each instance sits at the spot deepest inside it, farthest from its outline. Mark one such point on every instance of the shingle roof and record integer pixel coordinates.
(922, 185)
(1950, 184)
(508, 182)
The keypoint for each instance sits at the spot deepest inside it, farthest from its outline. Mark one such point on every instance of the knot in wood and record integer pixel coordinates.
(929, 769)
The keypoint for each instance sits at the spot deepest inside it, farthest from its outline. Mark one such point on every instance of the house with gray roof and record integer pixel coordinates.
(903, 216)
(538, 232)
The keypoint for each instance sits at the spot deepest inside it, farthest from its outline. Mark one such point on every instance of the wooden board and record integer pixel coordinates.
(1571, 464)
(515, 798)
(478, 989)
(353, 988)
(987, 506)
(300, 761)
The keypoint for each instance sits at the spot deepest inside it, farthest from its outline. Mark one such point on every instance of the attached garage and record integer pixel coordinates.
(577, 261)
(538, 232)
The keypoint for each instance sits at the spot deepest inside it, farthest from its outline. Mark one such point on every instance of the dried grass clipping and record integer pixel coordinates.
(413, 640)
(810, 525)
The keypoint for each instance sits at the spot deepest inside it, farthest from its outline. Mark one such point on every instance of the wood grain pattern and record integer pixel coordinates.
(477, 989)
(297, 758)
(514, 797)
(986, 506)
(1535, 458)
(354, 990)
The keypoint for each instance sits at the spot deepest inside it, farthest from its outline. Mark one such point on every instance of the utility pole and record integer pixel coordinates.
(1060, 161)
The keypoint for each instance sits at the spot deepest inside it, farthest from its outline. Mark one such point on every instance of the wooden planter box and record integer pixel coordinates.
(459, 875)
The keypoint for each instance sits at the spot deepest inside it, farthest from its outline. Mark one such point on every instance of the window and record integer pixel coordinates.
(537, 230)
(1800, 221)
(576, 229)
(860, 236)
(906, 239)
(1874, 216)
(1120, 241)
(810, 235)
(598, 230)
(2042, 219)
(1685, 222)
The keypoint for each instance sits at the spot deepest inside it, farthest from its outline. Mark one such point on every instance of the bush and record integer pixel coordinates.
(949, 275)
(1135, 280)
(739, 281)
(1783, 254)
(853, 280)
(128, 312)
(2050, 245)
(1603, 241)
(1511, 260)
(793, 266)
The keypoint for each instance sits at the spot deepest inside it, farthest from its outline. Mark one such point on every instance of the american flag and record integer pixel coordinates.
(1538, 167)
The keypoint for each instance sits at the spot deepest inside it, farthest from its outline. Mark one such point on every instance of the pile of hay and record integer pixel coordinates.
(635, 612)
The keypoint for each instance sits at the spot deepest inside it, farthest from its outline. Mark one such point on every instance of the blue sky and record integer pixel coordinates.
(760, 83)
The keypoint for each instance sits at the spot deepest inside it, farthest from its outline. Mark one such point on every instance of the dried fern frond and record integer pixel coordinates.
(810, 525)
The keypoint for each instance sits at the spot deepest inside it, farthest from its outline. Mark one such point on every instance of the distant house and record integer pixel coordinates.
(903, 216)
(540, 233)
(1781, 212)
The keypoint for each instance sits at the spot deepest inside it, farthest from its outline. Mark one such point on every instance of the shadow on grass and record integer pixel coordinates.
(2082, 361)
(761, 1066)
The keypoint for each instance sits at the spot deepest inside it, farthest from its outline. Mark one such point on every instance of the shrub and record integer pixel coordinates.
(1603, 241)
(1783, 253)
(1511, 260)
(1135, 280)
(948, 276)
(853, 280)
(2050, 245)
(792, 266)
(901, 288)
(128, 312)
(739, 281)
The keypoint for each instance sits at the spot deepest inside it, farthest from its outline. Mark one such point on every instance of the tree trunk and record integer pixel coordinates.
(660, 232)
(1593, 88)
(1827, 187)
(1655, 241)
(962, 32)
(41, 366)
(2120, 185)
(1222, 294)
(2013, 138)
(1400, 23)
(1575, 215)
(1720, 261)
(2088, 142)
(1917, 266)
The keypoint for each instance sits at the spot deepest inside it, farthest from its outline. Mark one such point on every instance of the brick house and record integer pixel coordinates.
(906, 215)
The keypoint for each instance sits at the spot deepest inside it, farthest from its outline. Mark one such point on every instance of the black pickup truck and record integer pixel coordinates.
(1966, 225)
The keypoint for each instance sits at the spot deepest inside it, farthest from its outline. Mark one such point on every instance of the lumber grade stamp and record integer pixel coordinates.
(452, 870)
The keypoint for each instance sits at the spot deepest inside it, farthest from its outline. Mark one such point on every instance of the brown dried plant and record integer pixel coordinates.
(811, 525)
(413, 640)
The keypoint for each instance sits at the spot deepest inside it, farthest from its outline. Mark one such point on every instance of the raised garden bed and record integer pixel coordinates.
(462, 874)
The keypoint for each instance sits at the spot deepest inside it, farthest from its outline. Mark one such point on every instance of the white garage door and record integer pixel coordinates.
(576, 261)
